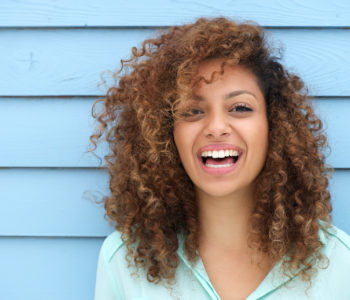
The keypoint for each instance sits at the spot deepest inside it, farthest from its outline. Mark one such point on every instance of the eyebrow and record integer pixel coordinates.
(227, 96)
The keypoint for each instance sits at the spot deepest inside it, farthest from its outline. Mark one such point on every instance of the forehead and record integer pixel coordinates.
(213, 77)
(218, 65)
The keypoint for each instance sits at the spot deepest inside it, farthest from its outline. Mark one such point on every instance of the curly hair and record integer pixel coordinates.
(152, 200)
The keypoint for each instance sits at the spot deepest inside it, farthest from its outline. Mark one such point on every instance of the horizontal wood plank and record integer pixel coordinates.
(47, 133)
(84, 13)
(71, 62)
(335, 118)
(62, 202)
(48, 268)
(340, 190)
(55, 132)
(53, 202)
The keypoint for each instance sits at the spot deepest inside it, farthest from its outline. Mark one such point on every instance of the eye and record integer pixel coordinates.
(192, 113)
(241, 107)
(195, 111)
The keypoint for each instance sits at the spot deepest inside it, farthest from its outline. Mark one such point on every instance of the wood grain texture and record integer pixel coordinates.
(48, 268)
(55, 132)
(53, 202)
(46, 133)
(84, 13)
(335, 116)
(71, 62)
(340, 190)
(51, 228)
(44, 202)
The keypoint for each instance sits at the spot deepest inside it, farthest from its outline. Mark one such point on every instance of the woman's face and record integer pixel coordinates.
(222, 136)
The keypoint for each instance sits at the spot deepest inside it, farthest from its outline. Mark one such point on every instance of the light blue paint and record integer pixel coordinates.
(37, 134)
(70, 62)
(335, 116)
(53, 202)
(339, 188)
(48, 268)
(41, 139)
(168, 12)
(47, 133)
(62, 202)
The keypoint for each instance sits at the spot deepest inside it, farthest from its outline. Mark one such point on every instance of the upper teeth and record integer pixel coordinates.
(219, 153)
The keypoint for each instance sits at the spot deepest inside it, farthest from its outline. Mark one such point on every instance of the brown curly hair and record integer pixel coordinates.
(152, 200)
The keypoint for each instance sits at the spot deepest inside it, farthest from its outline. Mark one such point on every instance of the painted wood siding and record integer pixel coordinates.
(52, 55)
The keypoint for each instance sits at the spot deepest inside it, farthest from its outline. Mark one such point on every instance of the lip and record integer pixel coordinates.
(223, 170)
(219, 147)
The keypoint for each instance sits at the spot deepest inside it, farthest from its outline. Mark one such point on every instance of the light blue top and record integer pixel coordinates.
(114, 279)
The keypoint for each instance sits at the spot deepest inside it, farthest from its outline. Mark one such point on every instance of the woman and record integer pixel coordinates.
(217, 178)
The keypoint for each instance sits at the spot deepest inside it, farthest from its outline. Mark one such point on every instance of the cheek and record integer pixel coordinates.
(185, 138)
(255, 135)
(180, 139)
(261, 140)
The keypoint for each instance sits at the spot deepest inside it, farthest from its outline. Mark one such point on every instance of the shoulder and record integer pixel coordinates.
(333, 237)
(337, 249)
(112, 245)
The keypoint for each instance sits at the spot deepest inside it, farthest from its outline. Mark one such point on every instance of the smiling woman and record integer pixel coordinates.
(230, 114)
(217, 177)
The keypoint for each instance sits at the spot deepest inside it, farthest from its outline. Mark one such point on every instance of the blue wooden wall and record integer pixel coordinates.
(52, 54)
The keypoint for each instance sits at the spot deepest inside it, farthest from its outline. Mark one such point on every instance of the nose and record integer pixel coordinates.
(217, 126)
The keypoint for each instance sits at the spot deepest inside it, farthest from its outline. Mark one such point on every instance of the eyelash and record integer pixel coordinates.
(240, 105)
(193, 111)
(245, 106)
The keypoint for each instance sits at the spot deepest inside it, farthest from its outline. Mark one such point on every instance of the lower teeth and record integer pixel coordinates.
(219, 166)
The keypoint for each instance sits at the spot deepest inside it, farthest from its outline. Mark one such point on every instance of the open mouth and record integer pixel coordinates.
(219, 160)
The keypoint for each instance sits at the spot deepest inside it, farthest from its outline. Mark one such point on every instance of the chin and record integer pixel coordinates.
(219, 191)
(225, 189)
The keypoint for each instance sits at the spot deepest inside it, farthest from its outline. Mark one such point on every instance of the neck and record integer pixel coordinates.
(224, 221)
